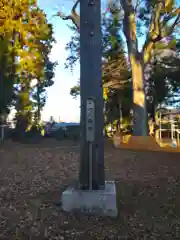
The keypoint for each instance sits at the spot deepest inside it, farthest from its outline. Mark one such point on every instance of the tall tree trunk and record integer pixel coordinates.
(138, 60)
(139, 97)
(137, 66)
(38, 104)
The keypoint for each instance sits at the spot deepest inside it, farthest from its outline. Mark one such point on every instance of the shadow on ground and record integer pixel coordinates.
(32, 179)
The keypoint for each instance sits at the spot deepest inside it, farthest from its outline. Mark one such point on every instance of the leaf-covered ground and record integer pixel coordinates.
(33, 177)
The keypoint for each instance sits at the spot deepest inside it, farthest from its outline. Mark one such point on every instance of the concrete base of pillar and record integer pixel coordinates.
(95, 202)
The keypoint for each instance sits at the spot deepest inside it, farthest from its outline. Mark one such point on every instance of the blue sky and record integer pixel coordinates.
(59, 102)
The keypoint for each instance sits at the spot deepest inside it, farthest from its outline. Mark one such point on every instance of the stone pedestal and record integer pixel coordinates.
(95, 202)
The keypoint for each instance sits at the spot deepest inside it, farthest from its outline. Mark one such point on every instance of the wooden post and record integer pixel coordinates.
(91, 174)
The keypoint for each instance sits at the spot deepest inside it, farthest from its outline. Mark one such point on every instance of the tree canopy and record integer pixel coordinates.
(146, 29)
(27, 40)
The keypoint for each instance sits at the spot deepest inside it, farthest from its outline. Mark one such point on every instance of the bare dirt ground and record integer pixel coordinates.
(32, 178)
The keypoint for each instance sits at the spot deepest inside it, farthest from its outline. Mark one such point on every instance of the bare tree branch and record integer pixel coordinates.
(74, 17)
(176, 22)
(169, 17)
(158, 30)
(155, 31)
(138, 2)
(129, 24)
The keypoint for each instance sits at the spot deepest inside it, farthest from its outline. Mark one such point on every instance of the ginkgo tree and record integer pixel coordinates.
(6, 78)
(28, 39)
